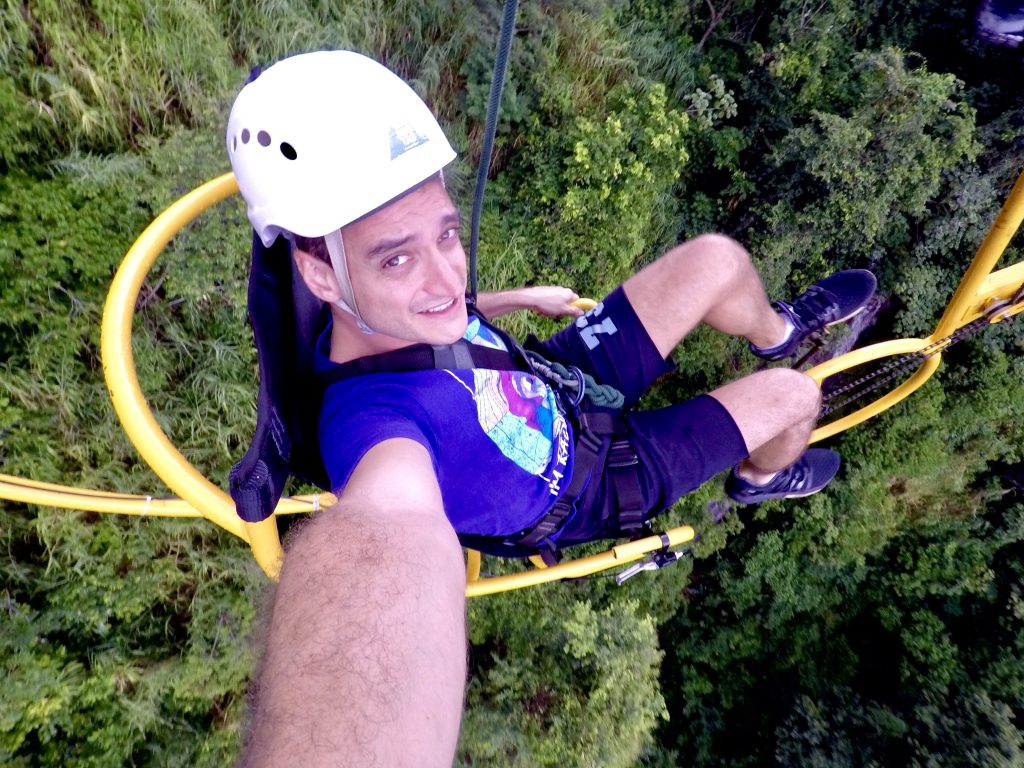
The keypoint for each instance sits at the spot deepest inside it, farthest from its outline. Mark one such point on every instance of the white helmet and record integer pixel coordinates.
(320, 139)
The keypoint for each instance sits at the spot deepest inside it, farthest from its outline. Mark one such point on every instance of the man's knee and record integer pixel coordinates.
(768, 403)
(710, 254)
(791, 392)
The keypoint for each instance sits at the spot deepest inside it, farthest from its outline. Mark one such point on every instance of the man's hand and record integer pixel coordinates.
(552, 300)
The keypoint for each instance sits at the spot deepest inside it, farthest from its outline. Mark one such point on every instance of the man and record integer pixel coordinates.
(365, 664)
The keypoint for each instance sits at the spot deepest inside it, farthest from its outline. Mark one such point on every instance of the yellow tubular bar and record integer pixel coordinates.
(472, 566)
(119, 368)
(970, 296)
(978, 289)
(48, 495)
(584, 566)
(91, 500)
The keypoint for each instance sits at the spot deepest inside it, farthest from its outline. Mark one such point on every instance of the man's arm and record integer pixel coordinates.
(366, 657)
(551, 300)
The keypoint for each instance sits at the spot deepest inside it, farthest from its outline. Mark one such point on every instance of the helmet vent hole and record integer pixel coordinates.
(245, 135)
(288, 150)
(263, 138)
(234, 143)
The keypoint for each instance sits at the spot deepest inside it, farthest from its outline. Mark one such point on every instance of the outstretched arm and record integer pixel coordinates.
(551, 300)
(366, 656)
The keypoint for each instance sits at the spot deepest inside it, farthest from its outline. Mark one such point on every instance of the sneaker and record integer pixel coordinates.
(832, 300)
(1001, 22)
(810, 474)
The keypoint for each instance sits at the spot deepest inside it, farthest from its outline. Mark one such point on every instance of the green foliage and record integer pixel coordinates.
(128, 639)
(100, 76)
(856, 181)
(879, 623)
(593, 198)
(574, 689)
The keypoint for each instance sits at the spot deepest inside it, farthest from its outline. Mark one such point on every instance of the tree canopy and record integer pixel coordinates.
(878, 623)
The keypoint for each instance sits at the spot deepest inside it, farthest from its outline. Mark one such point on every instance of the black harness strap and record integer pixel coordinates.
(602, 441)
(623, 466)
(422, 357)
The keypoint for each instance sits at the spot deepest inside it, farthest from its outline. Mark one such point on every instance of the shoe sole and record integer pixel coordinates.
(776, 498)
(850, 316)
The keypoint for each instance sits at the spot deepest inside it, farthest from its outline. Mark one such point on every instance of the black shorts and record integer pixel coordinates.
(680, 447)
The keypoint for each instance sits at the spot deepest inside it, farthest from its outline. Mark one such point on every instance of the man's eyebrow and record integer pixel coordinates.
(382, 247)
(387, 245)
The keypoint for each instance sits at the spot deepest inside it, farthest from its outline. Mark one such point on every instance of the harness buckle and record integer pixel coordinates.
(589, 436)
(621, 454)
(547, 525)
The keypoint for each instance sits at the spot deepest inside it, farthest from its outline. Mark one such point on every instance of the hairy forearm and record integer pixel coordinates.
(365, 662)
(546, 299)
(498, 303)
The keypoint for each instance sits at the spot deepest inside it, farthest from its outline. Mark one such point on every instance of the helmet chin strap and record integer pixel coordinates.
(347, 302)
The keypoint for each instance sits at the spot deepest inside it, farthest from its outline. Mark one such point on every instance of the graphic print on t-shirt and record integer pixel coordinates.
(479, 334)
(518, 413)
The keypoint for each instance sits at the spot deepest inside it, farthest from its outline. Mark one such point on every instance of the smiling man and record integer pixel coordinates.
(365, 663)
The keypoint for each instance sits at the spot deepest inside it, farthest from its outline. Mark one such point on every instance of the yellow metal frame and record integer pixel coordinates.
(979, 290)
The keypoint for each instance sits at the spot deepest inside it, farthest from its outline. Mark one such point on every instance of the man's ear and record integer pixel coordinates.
(318, 275)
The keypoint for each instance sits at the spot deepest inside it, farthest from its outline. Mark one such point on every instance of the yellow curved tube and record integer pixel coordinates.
(119, 368)
(886, 401)
(584, 566)
(978, 289)
(265, 542)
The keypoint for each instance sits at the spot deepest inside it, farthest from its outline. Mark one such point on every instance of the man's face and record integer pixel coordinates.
(408, 269)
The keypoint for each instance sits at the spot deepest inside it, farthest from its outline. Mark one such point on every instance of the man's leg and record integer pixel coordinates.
(712, 280)
(775, 410)
(709, 279)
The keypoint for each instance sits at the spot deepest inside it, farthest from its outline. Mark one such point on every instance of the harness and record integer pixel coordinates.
(286, 320)
(602, 441)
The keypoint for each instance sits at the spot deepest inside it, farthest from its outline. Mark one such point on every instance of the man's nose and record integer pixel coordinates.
(447, 272)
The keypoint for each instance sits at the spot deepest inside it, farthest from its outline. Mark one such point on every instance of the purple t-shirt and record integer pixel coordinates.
(501, 450)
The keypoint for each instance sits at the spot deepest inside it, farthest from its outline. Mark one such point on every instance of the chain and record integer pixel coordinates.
(905, 363)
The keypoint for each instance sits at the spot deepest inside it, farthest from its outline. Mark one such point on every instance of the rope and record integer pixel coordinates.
(579, 383)
(490, 128)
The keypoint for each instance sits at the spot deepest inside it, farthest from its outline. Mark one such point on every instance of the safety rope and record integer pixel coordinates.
(508, 22)
(870, 382)
(580, 384)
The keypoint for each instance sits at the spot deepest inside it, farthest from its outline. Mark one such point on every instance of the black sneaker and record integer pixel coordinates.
(836, 298)
(814, 470)
(1001, 22)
